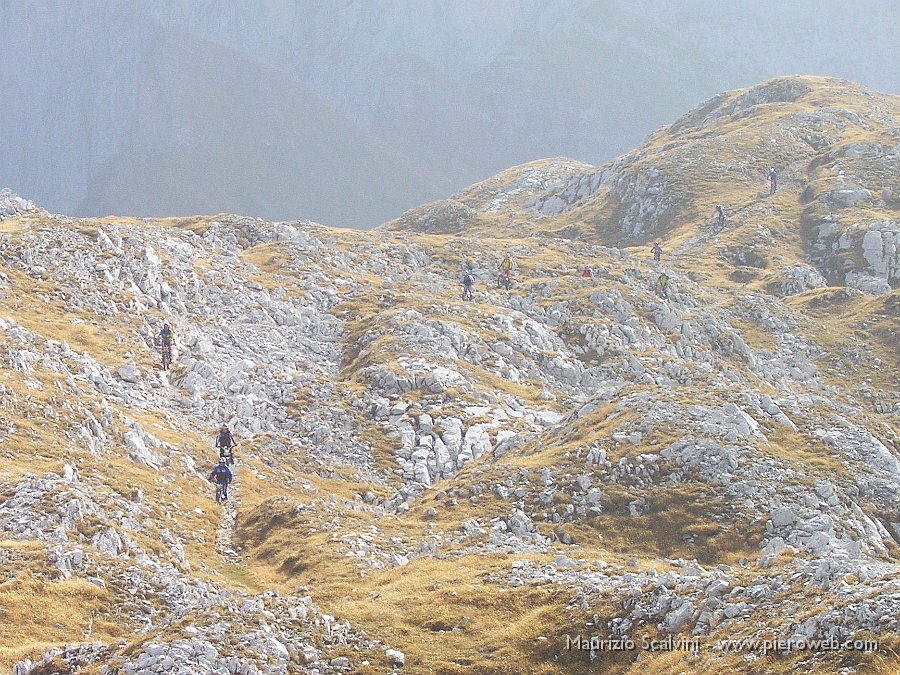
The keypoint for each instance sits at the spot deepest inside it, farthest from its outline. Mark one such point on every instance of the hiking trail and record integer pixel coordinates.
(227, 523)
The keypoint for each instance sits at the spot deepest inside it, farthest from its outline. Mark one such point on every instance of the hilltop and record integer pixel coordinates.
(434, 485)
(834, 145)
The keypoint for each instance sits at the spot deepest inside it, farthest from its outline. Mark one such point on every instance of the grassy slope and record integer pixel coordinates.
(422, 606)
(448, 615)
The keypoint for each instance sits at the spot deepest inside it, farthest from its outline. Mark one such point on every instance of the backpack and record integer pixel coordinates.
(468, 279)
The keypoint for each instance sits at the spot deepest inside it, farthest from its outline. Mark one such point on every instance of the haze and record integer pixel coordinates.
(349, 113)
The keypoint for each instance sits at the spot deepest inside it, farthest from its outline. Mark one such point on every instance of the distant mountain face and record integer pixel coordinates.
(124, 115)
(247, 138)
(438, 94)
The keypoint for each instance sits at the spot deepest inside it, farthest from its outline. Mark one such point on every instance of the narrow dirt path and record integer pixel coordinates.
(707, 234)
(225, 530)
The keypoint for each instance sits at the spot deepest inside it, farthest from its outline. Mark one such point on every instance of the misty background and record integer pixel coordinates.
(350, 112)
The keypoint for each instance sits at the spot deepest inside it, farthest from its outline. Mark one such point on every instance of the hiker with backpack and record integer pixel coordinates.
(662, 285)
(773, 180)
(505, 270)
(657, 251)
(225, 443)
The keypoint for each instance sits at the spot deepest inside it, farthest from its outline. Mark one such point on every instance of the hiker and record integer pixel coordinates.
(720, 213)
(166, 340)
(773, 180)
(662, 285)
(505, 269)
(468, 282)
(587, 273)
(222, 476)
(657, 251)
(225, 443)
(166, 335)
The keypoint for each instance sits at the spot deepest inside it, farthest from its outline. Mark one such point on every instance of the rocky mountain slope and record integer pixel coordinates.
(701, 482)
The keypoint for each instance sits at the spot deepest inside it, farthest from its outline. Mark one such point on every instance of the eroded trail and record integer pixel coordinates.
(225, 531)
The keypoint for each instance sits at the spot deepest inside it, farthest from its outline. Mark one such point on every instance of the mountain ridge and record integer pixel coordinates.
(667, 188)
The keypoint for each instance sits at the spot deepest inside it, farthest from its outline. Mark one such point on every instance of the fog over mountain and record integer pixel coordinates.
(350, 112)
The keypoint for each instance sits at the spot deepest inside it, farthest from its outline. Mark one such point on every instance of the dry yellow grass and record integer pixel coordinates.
(271, 259)
(836, 314)
(196, 224)
(40, 613)
(801, 450)
(35, 305)
(445, 615)
(14, 225)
